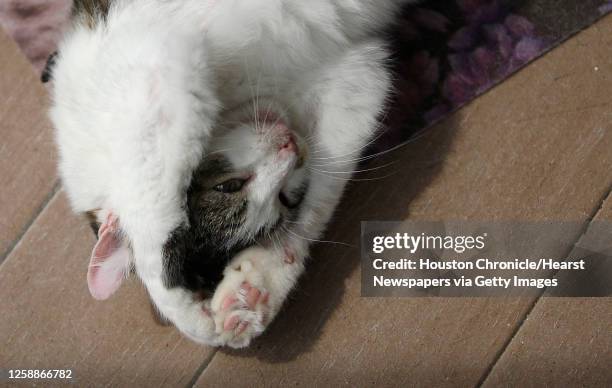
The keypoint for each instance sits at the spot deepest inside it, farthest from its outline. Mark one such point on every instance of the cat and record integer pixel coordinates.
(211, 141)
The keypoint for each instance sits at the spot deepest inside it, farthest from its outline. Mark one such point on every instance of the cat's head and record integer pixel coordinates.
(247, 190)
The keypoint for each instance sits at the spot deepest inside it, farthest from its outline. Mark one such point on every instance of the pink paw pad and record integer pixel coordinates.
(251, 298)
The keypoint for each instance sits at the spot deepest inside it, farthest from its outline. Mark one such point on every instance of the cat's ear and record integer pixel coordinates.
(110, 260)
(90, 12)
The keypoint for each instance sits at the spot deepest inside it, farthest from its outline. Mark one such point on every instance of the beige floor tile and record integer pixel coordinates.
(27, 156)
(537, 147)
(49, 320)
(564, 341)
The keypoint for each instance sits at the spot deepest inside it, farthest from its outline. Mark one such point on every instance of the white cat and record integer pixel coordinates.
(198, 129)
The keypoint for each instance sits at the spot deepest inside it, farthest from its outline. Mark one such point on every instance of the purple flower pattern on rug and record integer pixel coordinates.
(482, 42)
(606, 7)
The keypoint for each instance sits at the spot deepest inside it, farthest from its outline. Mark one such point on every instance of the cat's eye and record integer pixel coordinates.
(231, 186)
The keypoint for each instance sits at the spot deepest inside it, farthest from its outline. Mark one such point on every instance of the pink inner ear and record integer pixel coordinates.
(109, 261)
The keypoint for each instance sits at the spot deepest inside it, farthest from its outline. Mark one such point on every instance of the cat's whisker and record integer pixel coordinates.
(254, 94)
(295, 222)
(227, 124)
(258, 125)
(278, 241)
(359, 150)
(302, 224)
(310, 138)
(356, 171)
(268, 111)
(381, 132)
(318, 241)
(219, 152)
(352, 179)
(367, 157)
(416, 136)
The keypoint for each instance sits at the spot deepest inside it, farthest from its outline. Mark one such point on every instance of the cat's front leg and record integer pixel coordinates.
(254, 287)
(185, 310)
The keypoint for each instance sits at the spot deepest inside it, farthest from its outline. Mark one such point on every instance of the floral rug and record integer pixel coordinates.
(446, 52)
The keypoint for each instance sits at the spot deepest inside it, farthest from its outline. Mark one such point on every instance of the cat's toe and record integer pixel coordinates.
(240, 305)
(241, 315)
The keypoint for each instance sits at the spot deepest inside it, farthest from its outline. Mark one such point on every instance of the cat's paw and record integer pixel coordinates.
(240, 306)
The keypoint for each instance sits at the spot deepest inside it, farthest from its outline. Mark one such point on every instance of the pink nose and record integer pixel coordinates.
(289, 145)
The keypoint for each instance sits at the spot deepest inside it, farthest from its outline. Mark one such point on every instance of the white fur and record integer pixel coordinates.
(134, 103)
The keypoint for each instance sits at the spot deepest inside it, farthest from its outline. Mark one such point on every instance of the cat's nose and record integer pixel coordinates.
(289, 145)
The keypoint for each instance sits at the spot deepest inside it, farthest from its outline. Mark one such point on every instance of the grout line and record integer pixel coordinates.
(202, 368)
(56, 187)
(537, 299)
(507, 343)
